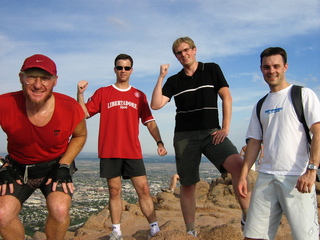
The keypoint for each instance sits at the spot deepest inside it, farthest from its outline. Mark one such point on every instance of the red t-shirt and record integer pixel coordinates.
(27, 143)
(120, 111)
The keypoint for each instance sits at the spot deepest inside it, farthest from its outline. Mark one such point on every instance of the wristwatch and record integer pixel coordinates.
(312, 166)
(160, 142)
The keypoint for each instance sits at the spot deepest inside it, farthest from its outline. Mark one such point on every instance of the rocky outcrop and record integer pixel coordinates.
(218, 217)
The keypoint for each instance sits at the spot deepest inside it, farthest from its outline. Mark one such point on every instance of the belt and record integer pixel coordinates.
(36, 170)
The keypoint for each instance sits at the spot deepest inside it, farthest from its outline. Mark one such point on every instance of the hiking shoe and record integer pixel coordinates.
(192, 233)
(243, 224)
(167, 190)
(114, 236)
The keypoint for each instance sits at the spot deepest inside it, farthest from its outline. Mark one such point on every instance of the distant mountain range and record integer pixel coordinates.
(93, 156)
(146, 158)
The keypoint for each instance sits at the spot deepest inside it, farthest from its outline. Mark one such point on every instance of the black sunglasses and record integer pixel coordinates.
(125, 68)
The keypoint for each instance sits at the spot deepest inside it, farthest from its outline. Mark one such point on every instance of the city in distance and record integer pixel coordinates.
(91, 194)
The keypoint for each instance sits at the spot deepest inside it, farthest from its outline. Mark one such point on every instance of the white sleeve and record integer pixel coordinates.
(254, 128)
(311, 106)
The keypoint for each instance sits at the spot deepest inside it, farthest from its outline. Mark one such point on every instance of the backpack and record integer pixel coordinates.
(297, 105)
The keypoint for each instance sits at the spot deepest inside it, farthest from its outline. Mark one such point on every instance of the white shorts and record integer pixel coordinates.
(275, 194)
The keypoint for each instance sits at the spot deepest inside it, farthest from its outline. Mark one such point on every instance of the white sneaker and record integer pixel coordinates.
(192, 233)
(151, 233)
(114, 236)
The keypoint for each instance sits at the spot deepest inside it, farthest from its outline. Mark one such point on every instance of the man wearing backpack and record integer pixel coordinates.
(286, 180)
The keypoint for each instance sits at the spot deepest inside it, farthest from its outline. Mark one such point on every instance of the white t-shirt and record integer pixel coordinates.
(284, 138)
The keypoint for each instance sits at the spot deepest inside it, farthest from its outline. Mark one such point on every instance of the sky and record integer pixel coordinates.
(84, 36)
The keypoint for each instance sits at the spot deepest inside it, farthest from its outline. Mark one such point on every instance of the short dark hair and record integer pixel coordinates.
(274, 51)
(123, 56)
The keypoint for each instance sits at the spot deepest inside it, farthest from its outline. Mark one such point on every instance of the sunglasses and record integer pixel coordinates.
(119, 68)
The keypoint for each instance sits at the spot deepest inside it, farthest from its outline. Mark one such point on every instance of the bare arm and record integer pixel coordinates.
(82, 86)
(306, 181)
(250, 157)
(226, 98)
(243, 151)
(155, 133)
(75, 145)
(261, 154)
(158, 100)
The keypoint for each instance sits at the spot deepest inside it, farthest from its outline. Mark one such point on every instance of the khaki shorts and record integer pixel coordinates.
(189, 147)
(276, 194)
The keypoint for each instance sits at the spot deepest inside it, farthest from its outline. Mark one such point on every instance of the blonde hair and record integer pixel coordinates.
(180, 40)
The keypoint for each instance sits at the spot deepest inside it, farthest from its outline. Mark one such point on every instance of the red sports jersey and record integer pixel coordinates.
(29, 144)
(120, 111)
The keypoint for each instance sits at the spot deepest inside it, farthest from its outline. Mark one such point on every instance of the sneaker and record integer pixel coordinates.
(243, 223)
(150, 235)
(114, 236)
(152, 232)
(192, 233)
(167, 190)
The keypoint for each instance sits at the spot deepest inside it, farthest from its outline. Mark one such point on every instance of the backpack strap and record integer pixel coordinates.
(296, 97)
(258, 109)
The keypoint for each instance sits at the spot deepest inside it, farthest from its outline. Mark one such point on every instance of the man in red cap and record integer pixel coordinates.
(45, 132)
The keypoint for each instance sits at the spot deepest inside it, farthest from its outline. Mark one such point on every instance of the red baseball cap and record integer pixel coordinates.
(40, 61)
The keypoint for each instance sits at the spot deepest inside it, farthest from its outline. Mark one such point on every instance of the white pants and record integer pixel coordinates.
(276, 194)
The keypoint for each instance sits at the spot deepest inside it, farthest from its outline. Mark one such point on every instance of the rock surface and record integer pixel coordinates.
(218, 217)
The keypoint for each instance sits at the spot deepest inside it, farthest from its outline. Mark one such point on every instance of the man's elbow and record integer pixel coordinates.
(155, 106)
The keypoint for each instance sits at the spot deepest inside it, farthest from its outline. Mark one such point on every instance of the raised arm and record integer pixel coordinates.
(158, 100)
(82, 86)
(155, 133)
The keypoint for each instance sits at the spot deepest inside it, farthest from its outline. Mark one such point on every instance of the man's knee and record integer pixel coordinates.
(59, 212)
(58, 205)
(4, 217)
(114, 193)
(9, 209)
(144, 190)
(233, 164)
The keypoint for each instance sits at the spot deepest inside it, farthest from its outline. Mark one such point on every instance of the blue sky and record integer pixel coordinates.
(84, 36)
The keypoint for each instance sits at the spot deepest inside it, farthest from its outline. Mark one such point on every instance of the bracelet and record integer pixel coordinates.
(160, 142)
